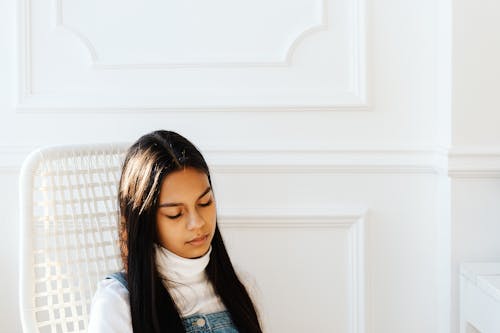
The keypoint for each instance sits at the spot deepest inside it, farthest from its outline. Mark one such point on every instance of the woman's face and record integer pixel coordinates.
(186, 213)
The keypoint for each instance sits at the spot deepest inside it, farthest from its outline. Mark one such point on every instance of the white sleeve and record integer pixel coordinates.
(110, 309)
(255, 293)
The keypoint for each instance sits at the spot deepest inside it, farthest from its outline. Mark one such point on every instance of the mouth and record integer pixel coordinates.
(199, 240)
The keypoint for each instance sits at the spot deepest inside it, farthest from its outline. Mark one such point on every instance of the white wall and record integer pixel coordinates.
(475, 156)
(476, 74)
(294, 139)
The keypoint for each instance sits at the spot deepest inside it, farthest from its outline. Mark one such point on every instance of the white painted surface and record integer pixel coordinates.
(480, 297)
(475, 214)
(320, 253)
(159, 55)
(342, 118)
(476, 74)
(475, 138)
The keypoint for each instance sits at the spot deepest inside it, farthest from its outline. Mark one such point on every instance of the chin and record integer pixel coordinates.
(199, 253)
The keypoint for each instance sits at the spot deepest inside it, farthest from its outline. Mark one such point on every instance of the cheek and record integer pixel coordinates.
(161, 232)
(165, 231)
(209, 213)
(212, 217)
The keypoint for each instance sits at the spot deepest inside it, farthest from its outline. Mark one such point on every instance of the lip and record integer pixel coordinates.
(199, 240)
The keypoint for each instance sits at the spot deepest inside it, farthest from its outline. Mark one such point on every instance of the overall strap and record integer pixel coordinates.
(120, 277)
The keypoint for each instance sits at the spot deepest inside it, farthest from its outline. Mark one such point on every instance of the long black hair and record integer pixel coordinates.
(148, 161)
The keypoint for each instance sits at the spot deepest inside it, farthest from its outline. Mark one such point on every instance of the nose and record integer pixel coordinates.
(195, 221)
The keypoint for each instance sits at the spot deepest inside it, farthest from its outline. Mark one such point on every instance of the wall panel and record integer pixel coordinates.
(192, 56)
(312, 263)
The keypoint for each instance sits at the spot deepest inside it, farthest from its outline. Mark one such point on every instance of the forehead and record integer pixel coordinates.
(184, 183)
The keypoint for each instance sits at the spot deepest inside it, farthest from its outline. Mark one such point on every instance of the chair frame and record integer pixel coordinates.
(29, 169)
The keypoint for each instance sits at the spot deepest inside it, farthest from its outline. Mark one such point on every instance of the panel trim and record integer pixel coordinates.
(354, 160)
(285, 219)
(11, 157)
(352, 219)
(285, 62)
(474, 163)
(27, 102)
(333, 161)
(24, 51)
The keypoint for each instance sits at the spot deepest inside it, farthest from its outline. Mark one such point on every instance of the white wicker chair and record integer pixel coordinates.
(68, 211)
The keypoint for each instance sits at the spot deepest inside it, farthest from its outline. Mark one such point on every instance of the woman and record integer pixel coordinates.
(177, 274)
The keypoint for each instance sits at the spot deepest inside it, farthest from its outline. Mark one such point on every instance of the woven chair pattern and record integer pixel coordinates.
(69, 233)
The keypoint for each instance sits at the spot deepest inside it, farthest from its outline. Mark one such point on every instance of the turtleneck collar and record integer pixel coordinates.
(179, 269)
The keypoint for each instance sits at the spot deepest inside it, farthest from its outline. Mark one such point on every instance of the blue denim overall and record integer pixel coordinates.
(217, 322)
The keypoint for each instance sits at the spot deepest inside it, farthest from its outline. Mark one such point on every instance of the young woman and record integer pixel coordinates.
(177, 274)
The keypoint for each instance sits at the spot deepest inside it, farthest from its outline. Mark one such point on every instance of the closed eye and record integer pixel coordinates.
(174, 217)
(206, 204)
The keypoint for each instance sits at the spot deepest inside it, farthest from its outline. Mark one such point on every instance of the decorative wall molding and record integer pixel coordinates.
(377, 161)
(27, 104)
(463, 163)
(286, 61)
(350, 218)
(11, 157)
(286, 218)
(334, 161)
(354, 98)
(458, 163)
(474, 162)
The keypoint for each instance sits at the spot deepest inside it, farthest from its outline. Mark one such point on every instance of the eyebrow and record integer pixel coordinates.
(173, 204)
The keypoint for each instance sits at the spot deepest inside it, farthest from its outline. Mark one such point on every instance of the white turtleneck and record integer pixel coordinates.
(187, 282)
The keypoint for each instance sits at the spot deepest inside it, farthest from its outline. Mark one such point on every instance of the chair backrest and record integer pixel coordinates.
(69, 235)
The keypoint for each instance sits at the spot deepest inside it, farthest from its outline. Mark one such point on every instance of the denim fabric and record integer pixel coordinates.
(217, 322)
(120, 277)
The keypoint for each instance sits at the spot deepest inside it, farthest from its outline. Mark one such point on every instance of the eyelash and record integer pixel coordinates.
(206, 204)
(179, 215)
